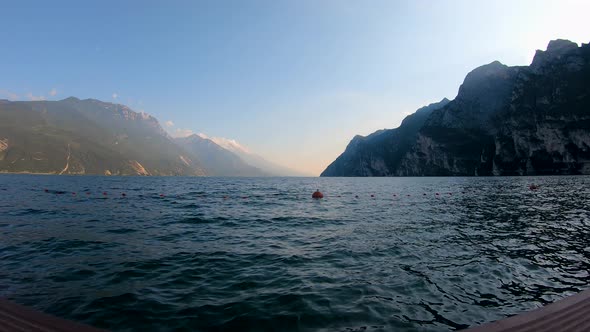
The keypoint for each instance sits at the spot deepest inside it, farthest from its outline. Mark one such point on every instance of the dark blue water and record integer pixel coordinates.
(221, 254)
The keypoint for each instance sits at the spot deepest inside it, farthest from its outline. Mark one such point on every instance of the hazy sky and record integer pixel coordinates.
(292, 80)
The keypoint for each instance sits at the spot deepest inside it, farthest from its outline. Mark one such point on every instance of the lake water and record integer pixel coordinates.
(213, 254)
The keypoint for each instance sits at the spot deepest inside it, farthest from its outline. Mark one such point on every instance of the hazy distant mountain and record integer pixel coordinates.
(269, 167)
(74, 136)
(216, 160)
(253, 159)
(505, 121)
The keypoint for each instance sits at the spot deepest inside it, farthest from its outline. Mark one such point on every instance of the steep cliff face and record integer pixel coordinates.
(512, 120)
(379, 154)
(451, 140)
(504, 121)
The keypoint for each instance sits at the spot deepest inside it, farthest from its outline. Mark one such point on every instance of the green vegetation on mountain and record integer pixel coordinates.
(73, 136)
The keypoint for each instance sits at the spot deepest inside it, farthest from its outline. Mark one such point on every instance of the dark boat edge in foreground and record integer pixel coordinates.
(15, 317)
(569, 314)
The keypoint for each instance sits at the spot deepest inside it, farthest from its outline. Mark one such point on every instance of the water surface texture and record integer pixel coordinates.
(221, 254)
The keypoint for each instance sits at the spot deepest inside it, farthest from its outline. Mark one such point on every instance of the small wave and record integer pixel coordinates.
(66, 247)
(121, 230)
(195, 220)
(72, 275)
(32, 211)
(192, 260)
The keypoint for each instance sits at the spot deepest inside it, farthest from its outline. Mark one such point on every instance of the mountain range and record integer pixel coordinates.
(521, 120)
(74, 136)
(217, 161)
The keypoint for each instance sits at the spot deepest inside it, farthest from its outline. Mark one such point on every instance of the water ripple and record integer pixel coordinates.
(259, 255)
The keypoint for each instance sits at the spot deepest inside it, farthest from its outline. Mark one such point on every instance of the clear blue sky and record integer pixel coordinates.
(292, 80)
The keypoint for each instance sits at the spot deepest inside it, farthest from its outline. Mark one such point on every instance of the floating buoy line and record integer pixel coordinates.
(317, 195)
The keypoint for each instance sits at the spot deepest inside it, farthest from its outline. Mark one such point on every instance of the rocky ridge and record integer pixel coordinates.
(522, 120)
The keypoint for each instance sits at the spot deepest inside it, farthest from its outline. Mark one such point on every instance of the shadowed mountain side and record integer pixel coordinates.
(379, 154)
(75, 136)
(216, 160)
(523, 120)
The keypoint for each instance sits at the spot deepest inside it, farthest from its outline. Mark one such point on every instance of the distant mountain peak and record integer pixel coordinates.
(494, 68)
(122, 110)
(431, 106)
(485, 85)
(246, 155)
(230, 144)
(193, 138)
(217, 160)
(561, 45)
(556, 49)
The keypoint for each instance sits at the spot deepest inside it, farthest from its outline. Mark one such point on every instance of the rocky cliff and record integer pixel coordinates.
(379, 154)
(504, 121)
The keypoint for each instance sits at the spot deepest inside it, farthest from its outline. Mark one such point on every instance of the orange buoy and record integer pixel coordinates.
(317, 194)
